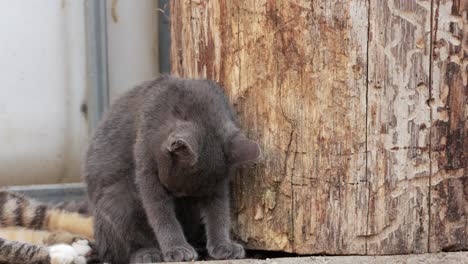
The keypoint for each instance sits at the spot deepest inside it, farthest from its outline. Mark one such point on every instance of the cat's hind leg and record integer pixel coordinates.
(121, 229)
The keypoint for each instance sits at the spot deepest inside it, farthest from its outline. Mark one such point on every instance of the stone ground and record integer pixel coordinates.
(444, 257)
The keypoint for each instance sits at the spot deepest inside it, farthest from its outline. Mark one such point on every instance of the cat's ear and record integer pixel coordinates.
(183, 147)
(242, 150)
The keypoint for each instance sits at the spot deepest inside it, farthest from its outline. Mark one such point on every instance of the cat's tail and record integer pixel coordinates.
(18, 210)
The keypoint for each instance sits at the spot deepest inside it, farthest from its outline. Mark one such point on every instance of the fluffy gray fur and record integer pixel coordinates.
(158, 164)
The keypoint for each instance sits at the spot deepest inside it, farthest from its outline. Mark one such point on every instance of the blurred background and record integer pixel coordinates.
(61, 63)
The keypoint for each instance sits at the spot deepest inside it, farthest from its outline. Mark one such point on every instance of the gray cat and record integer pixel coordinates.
(158, 167)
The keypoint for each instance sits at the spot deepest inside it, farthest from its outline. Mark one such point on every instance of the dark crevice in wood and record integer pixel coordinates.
(238, 46)
(367, 120)
(432, 37)
(267, 254)
(290, 121)
(192, 35)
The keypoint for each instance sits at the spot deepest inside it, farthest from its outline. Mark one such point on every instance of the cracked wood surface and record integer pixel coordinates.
(398, 117)
(449, 139)
(338, 94)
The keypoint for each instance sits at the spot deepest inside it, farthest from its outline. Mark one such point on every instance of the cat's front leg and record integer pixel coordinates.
(215, 213)
(160, 211)
(168, 230)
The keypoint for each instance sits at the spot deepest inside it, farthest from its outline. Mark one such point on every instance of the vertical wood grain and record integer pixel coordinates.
(449, 140)
(398, 121)
(364, 133)
(296, 73)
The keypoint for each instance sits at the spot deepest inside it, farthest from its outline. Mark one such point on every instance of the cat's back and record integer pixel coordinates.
(17, 210)
(121, 116)
(162, 97)
(114, 137)
(21, 211)
(198, 100)
(109, 156)
(153, 103)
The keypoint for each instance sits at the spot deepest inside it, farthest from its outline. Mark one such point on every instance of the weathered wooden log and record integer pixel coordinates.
(449, 130)
(361, 109)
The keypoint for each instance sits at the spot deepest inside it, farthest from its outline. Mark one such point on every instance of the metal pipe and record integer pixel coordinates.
(164, 37)
(97, 60)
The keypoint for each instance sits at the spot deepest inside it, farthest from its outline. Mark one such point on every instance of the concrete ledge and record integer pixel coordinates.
(51, 193)
(445, 257)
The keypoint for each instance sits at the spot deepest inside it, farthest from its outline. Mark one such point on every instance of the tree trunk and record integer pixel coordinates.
(364, 132)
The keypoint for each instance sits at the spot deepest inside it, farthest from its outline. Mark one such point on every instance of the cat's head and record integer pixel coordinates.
(194, 159)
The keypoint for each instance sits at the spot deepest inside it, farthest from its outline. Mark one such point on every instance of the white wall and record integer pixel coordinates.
(132, 43)
(42, 84)
(43, 81)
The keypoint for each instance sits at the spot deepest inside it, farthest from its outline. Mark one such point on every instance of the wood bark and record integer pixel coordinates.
(364, 132)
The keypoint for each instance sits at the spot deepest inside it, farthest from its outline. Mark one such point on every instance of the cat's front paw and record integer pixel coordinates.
(227, 250)
(146, 255)
(65, 254)
(82, 247)
(180, 253)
